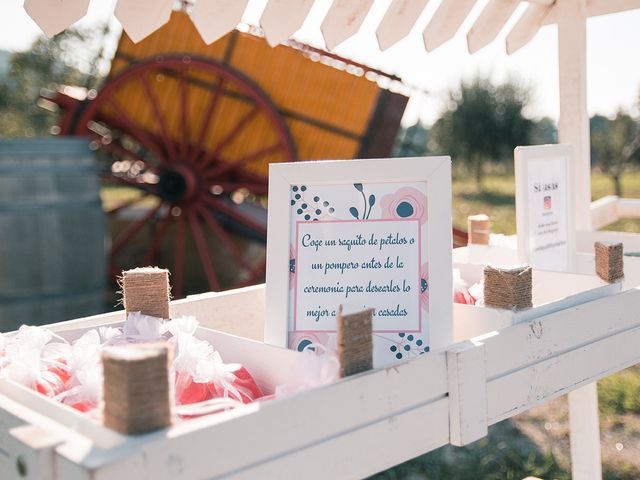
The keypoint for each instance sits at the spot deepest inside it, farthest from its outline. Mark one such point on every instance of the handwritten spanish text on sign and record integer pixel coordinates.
(366, 263)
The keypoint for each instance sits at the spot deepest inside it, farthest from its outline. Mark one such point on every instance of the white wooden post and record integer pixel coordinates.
(573, 128)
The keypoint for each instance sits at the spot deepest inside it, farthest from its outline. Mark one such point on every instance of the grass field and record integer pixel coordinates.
(497, 199)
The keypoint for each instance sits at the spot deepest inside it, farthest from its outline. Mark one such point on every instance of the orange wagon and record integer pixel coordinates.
(192, 128)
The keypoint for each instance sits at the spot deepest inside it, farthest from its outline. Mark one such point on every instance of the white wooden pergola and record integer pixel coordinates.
(282, 18)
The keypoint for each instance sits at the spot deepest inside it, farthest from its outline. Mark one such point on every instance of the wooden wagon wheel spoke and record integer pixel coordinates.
(244, 121)
(131, 230)
(233, 213)
(138, 132)
(225, 166)
(256, 188)
(208, 116)
(184, 95)
(116, 147)
(178, 256)
(177, 151)
(203, 251)
(126, 181)
(226, 239)
(128, 203)
(155, 106)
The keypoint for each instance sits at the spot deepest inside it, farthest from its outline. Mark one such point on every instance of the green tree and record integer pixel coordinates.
(67, 59)
(615, 143)
(483, 123)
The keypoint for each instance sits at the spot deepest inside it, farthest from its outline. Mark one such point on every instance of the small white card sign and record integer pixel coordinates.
(363, 234)
(544, 206)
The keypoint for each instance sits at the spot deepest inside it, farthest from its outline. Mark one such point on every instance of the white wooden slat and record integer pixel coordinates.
(604, 211)
(54, 17)
(215, 18)
(445, 22)
(584, 427)
(364, 399)
(526, 27)
(363, 452)
(526, 344)
(398, 21)
(629, 208)
(604, 7)
(140, 18)
(239, 312)
(560, 374)
(596, 8)
(35, 448)
(282, 18)
(343, 20)
(487, 26)
(467, 393)
(573, 124)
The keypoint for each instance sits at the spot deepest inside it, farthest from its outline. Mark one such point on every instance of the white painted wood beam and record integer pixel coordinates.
(445, 22)
(595, 8)
(573, 125)
(527, 27)
(486, 28)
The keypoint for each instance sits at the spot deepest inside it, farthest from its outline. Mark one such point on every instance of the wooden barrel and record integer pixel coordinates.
(52, 261)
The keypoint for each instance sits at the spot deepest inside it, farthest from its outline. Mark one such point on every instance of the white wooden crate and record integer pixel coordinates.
(349, 429)
(552, 292)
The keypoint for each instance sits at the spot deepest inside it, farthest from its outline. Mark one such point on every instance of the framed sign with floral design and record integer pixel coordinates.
(362, 234)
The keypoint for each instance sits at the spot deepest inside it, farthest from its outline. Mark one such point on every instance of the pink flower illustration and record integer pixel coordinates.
(407, 202)
(301, 340)
(424, 287)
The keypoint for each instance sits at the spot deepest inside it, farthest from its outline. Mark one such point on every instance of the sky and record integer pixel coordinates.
(613, 56)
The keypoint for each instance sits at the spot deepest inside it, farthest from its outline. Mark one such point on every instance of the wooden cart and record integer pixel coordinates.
(192, 128)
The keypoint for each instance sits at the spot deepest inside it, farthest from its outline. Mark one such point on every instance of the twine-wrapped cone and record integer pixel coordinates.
(355, 341)
(479, 229)
(136, 388)
(508, 287)
(146, 290)
(609, 261)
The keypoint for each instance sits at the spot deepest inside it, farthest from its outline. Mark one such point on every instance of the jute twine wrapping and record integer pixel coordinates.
(355, 342)
(146, 290)
(479, 228)
(136, 388)
(508, 287)
(609, 261)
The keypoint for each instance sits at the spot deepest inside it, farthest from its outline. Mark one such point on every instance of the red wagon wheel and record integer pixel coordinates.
(193, 138)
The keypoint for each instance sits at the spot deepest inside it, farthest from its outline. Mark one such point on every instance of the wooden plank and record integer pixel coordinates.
(282, 18)
(445, 22)
(527, 27)
(343, 20)
(487, 26)
(398, 21)
(560, 373)
(362, 452)
(584, 425)
(604, 211)
(467, 393)
(526, 344)
(595, 8)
